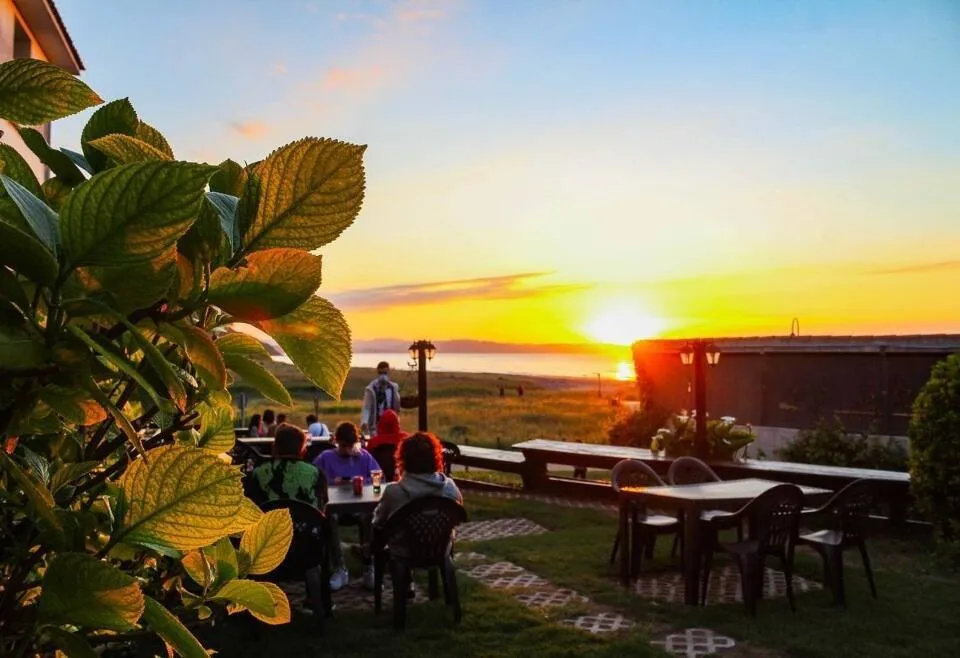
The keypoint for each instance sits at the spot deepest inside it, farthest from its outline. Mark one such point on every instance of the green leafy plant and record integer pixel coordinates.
(724, 437)
(935, 453)
(831, 444)
(635, 428)
(120, 514)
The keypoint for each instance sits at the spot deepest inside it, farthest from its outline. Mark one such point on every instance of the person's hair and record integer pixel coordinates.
(254, 421)
(383, 364)
(290, 442)
(268, 416)
(311, 419)
(420, 453)
(281, 418)
(346, 433)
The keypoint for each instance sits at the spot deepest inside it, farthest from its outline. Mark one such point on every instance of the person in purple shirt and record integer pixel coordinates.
(341, 466)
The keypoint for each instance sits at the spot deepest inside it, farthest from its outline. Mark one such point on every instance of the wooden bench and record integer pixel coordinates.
(492, 459)
(894, 485)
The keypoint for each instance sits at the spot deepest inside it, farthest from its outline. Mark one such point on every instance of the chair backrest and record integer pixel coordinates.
(385, 454)
(316, 447)
(634, 473)
(690, 470)
(849, 509)
(422, 529)
(774, 516)
(308, 547)
(451, 451)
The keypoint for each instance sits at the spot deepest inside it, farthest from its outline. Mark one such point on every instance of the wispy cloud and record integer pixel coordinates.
(510, 286)
(250, 129)
(922, 268)
(351, 78)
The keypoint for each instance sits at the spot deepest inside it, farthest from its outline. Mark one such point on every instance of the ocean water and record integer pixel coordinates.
(542, 364)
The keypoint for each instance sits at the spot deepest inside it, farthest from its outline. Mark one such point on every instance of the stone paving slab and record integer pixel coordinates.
(724, 586)
(694, 642)
(497, 529)
(601, 622)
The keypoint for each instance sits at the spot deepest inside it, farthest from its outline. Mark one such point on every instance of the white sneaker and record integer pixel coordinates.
(340, 579)
(368, 578)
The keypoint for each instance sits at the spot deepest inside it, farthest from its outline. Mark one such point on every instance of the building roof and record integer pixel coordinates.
(48, 28)
(936, 343)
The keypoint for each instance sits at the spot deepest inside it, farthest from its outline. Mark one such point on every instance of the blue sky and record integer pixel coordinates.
(626, 145)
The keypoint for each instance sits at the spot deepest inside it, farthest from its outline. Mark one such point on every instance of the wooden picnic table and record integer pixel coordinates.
(692, 500)
(894, 486)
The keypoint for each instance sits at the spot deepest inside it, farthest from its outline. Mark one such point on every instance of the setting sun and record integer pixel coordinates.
(624, 371)
(622, 325)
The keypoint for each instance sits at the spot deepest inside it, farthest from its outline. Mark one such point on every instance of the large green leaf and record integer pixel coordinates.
(153, 137)
(55, 191)
(14, 166)
(317, 339)
(199, 568)
(258, 377)
(124, 149)
(130, 286)
(268, 541)
(23, 251)
(115, 117)
(41, 500)
(71, 645)
(19, 350)
(271, 283)
(80, 590)
(206, 241)
(75, 405)
(216, 423)
(172, 630)
(204, 356)
(226, 207)
(182, 499)
(60, 164)
(40, 217)
(240, 344)
(248, 594)
(310, 191)
(34, 92)
(131, 213)
(229, 179)
(281, 606)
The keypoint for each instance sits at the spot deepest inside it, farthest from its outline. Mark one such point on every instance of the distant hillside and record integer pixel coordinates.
(466, 346)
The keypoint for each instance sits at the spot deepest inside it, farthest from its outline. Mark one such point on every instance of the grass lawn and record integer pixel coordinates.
(915, 614)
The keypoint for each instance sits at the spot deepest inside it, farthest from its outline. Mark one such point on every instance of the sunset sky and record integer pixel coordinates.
(571, 170)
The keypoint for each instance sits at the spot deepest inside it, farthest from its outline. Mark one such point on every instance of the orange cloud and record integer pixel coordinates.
(336, 78)
(251, 129)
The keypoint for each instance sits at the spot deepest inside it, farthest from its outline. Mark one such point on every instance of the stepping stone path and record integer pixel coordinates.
(497, 529)
(694, 642)
(724, 586)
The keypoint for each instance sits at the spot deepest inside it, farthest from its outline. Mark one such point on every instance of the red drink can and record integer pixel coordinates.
(357, 485)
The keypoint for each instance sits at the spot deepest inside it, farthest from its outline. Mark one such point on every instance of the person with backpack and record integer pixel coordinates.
(381, 394)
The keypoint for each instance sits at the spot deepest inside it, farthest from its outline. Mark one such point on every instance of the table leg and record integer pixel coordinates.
(534, 474)
(625, 542)
(691, 557)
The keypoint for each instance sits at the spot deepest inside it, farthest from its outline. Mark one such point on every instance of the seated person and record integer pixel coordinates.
(388, 431)
(286, 476)
(420, 464)
(316, 429)
(340, 466)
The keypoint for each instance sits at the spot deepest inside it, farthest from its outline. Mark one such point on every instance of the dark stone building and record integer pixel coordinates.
(868, 382)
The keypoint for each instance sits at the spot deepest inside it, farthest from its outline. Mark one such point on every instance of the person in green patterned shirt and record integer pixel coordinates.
(287, 476)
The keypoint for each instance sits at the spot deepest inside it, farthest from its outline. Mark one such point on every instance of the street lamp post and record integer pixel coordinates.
(422, 351)
(700, 354)
(599, 385)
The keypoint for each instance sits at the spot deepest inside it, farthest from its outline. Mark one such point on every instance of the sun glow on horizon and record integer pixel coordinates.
(623, 324)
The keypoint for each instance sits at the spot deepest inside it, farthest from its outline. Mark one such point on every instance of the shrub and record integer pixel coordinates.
(114, 275)
(636, 428)
(935, 452)
(830, 444)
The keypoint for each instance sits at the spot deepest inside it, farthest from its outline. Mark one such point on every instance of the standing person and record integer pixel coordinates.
(316, 429)
(269, 423)
(381, 394)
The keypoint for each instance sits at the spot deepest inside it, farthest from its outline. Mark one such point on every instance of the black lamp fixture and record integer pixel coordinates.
(700, 353)
(422, 351)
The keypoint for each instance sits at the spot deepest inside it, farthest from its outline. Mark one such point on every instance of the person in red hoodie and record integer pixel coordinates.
(388, 431)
